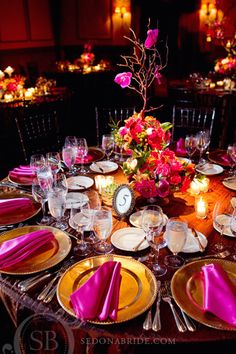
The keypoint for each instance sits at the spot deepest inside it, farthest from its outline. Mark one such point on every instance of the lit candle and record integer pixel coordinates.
(204, 185)
(201, 208)
(8, 97)
(212, 85)
(99, 181)
(194, 187)
(1, 74)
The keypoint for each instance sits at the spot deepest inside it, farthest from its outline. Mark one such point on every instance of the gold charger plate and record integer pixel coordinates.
(20, 215)
(138, 288)
(46, 257)
(185, 278)
(21, 180)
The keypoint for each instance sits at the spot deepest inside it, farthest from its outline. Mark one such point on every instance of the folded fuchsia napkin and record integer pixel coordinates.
(22, 171)
(98, 297)
(88, 158)
(15, 250)
(180, 147)
(11, 205)
(219, 293)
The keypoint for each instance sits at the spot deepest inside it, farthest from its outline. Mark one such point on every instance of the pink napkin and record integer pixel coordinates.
(180, 147)
(13, 205)
(19, 248)
(98, 297)
(23, 171)
(219, 293)
(88, 158)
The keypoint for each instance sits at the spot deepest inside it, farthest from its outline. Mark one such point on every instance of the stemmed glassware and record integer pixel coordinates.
(221, 221)
(81, 219)
(57, 206)
(102, 225)
(41, 196)
(190, 145)
(69, 154)
(152, 224)
(82, 152)
(202, 142)
(108, 144)
(176, 235)
(231, 152)
(37, 161)
(233, 230)
(53, 160)
(94, 204)
(45, 177)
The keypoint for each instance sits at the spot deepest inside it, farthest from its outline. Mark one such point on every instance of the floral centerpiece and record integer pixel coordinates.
(10, 84)
(226, 66)
(153, 168)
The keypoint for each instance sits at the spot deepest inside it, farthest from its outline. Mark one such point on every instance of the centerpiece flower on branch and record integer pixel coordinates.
(153, 168)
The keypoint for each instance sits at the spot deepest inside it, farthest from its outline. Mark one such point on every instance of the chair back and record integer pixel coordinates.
(106, 116)
(189, 120)
(38, 126)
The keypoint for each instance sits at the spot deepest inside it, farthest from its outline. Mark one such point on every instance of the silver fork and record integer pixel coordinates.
(179, 323)
(189, 323)
(222, 254)
(156, 324)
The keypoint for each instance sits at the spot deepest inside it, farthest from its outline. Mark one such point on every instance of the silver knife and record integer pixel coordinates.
(156, 324)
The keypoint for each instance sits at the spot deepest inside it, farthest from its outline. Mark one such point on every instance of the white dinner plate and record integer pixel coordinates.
(136, 219)
(230, 183)
(209, 169)
(127, 239)
(184, 159)
(79, 182)
(191, 244)
(225, 220)
(104, 166)
(75, 199)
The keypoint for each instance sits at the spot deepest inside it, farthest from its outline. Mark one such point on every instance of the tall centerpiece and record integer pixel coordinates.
(153, 169)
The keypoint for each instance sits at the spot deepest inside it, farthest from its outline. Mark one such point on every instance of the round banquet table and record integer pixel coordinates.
(126, 337)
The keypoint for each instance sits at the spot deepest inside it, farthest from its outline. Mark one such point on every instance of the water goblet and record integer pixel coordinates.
(231, 152)
(70, 141)
(53, 161)
(57, 206)
(102, 225)
(41, 196)
(152, 224)
(176, 235)
(221, 221)
(45, 177)
(37, 161)
(94, 204)
(190, 145)
(108, 144)
(82, 151)
(69, 154)
(202, 142)
(81, 219)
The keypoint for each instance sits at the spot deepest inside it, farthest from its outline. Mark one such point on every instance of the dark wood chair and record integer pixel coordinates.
(105, 117)
(39, 126)
(190, 120)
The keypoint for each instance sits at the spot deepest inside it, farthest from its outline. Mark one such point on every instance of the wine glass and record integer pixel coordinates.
(108, 144)
(70, 141)
(190, 145)
(37, 161)
(60, 181)
(176, 235)
(57, 206)
(95, 204)
(53, 160)
(82, 151)
(41, 196)
(69, 154)
(231, 152)
(202, 142)
(152, 224)
(45, 177)
(81, 219)
(102, 225)
(221, 221)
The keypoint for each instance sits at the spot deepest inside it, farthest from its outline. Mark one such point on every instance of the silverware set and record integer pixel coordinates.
(49, 290)
(164, 293)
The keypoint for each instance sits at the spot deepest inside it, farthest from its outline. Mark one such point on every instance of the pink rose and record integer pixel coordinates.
(151, 38)
(123, 131)
(163, 188)
(123, 79)
(176, 179)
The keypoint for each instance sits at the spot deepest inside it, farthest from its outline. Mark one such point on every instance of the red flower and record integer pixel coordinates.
(163, 188)
(147, 188)
(185, 184)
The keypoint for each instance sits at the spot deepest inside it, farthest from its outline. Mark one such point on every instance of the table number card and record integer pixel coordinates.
(123, 200)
